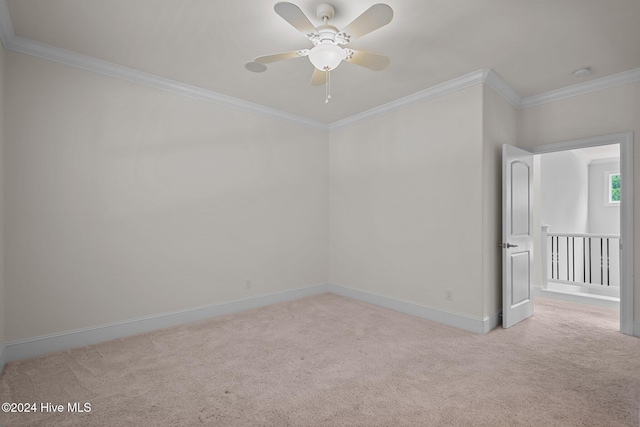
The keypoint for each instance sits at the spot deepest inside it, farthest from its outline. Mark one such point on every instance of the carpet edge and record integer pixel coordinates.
(460, 321)
(38, 346)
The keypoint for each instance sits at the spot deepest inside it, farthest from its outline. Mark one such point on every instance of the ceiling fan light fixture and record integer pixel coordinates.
(326, 56)
(327, 40)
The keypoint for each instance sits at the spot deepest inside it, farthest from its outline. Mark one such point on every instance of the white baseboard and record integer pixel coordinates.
(471, 324)
(33, 347)
(2, 358)
(597, 300)
(38, 346)
(492, 322)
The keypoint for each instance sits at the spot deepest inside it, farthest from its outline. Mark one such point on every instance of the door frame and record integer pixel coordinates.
(626, 211)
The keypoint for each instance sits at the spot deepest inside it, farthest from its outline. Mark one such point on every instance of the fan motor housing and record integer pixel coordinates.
(325, 10)
(327, 32)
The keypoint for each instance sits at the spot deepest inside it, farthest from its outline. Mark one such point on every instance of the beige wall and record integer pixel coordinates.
(607, 111)
(500, 121)
(123, 201)
(406, 204)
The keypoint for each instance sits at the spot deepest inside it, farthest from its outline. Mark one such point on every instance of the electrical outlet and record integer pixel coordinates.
(448, 295)
(248, 284)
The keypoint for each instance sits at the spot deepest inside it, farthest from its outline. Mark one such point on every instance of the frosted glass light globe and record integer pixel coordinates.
(326, 56)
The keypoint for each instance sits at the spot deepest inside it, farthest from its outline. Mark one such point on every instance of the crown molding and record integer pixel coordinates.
(582, 88)
(495, 82)
(436, 91)
(41, 50)
(62, 56)
(485, 75)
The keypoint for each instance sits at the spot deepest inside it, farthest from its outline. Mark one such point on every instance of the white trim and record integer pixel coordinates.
(626, 213)
(32, 347)
(3, 360)
(595, 300)
(494, 81)
(62, 56)
(582, 88)
(44, 51)
(594, 141)
(591, 288)
(485, 75)
(594, 235)
(604, 161)
(434, 92)
(626, 230)
(460, 321)
(73, 59)
(38, 346)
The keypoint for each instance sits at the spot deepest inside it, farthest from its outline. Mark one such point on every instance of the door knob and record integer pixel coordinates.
(507, 245)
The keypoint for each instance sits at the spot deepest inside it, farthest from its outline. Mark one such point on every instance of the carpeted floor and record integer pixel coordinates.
(333, 361)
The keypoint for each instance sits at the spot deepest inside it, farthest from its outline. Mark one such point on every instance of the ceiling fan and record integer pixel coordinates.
(327, 52)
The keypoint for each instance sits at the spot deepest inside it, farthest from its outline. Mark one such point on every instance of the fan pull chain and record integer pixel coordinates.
(327, 87)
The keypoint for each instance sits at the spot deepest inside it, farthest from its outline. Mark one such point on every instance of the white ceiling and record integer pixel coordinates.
(534, 45)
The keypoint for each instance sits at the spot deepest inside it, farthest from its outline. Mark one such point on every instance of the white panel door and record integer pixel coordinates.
(517, 235)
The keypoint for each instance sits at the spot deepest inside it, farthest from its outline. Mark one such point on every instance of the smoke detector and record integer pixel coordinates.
(582, 72)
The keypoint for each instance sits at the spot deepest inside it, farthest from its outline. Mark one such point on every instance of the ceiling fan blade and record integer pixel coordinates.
(368, 60)
(294, 16)
(268, 59)
(371, 19)
(319, 77)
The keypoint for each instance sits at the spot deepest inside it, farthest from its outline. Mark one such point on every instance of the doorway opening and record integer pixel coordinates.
(581, 253)
(579, 216)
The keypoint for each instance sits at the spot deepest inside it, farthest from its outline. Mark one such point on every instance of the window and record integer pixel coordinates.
(612, 192)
